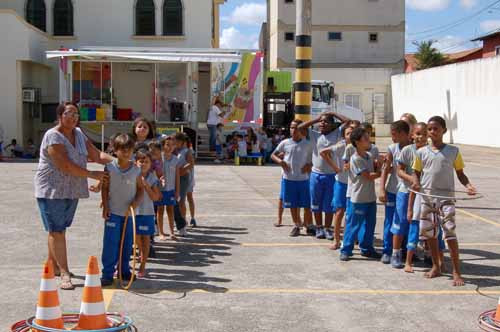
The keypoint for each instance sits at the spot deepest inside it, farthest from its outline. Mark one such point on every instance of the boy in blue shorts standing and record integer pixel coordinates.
(123, 191)
(405, 176)
(363, 197)
(295, 163)
(322, 178)
(400, 132)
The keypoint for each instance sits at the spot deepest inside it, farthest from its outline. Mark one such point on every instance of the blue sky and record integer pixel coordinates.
(451, 23)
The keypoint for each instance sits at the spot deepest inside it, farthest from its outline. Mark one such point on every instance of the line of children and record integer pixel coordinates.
(406, 167)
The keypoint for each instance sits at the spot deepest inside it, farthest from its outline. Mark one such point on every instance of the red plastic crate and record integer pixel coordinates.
(124, 114)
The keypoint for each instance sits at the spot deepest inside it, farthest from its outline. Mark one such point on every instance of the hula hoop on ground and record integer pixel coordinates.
(471, 198)
(120, 323)
(130, 213)
(488, 322)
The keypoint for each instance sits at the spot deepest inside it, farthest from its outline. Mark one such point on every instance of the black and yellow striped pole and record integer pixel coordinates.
(303, 60)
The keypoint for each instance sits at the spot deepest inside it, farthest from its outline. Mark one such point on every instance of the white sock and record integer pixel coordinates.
(396, 251)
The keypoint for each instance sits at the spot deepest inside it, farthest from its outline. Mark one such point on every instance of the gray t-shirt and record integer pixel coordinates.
(406, 158)
(122, 187)
(350, 150)
(363, 190)
(169, 168)
(338, 151)
(50, 182)
(146, 208)
(392, 182)
(438, 168)
(321, 142)
(297, 155)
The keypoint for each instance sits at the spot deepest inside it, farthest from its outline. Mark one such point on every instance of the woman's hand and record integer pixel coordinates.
(99, 175)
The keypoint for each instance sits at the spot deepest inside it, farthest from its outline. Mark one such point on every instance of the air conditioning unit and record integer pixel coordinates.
(139, 67)
(28, 95)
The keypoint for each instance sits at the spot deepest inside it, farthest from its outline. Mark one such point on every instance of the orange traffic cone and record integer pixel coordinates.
(92, 311)
(48, 311)
(497, 315)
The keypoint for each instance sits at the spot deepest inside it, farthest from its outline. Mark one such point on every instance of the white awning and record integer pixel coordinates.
(153, 54)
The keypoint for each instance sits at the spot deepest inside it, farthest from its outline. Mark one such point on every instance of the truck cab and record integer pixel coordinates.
(324, 99)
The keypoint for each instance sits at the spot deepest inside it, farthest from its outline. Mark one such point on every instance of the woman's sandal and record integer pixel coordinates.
(66, 283)
(58, 274)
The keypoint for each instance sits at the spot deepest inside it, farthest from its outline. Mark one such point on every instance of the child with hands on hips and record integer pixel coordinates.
(145, 218)
(123, 190)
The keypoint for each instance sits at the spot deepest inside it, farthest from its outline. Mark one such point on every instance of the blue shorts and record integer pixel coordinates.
(339, 196)
(413, 235)
(57, 214)
(296, 194)
(145, 225)
(168, 198)
(400, 220)
(321, 187)
(282, 193)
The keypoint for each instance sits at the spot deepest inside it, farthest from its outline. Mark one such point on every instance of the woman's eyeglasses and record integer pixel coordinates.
(73, 115)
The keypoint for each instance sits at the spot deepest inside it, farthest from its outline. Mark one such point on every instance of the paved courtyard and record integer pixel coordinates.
(236, 272)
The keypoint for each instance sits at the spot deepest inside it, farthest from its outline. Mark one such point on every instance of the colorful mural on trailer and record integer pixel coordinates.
(240, 86)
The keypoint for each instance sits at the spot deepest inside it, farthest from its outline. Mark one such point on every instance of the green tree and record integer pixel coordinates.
(428, 56)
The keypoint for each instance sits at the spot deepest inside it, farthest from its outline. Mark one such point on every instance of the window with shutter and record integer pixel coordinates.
(145, 18)
(172, 18)
(35, 14)
(63, 18)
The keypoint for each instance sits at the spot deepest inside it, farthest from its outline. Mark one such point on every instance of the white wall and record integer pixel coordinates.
(473, 111)
(21, 43)
(111, 23)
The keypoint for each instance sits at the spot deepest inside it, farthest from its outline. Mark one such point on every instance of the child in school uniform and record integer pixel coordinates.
(434, 166)
(363, 198)
(322, 179)
(295, 163)
(333, 156)
(400, 132)
(374, 151)
(186, 173)
(405, 177)
(388, 192)
(123, 191)
(145, 218)
(169, 187)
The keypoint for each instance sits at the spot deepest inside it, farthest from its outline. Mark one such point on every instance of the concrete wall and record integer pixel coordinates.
(466, 94)
(22, 44)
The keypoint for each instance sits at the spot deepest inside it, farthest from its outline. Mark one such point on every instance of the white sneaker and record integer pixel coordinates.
(183, 232)
(217, 161)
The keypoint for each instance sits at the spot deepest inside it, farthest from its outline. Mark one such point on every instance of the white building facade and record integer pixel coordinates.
(357, 44)
(29, 28)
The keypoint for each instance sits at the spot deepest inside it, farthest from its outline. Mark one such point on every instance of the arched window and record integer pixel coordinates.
(35, 13)
(63, 18)
(172, 18)
(145, 18)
